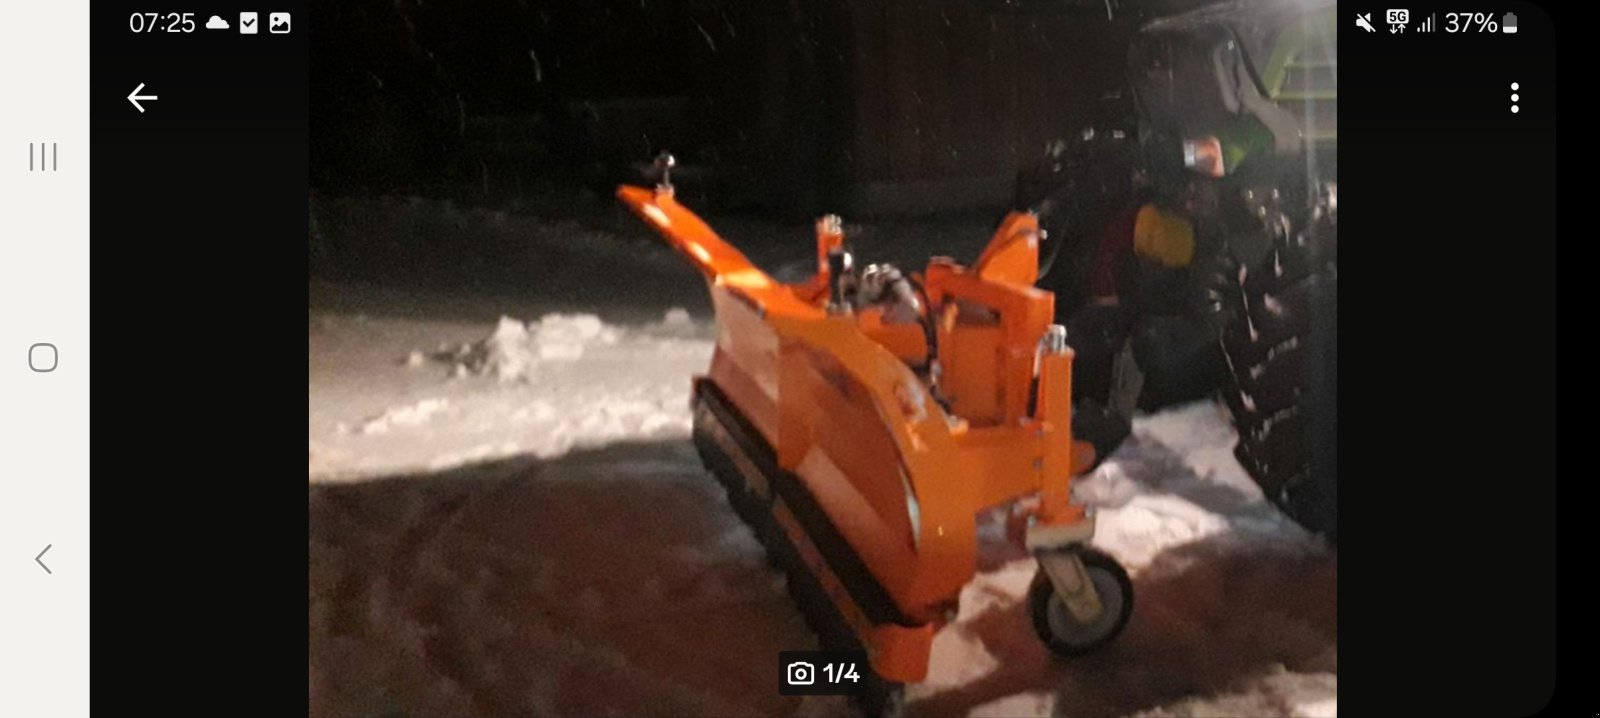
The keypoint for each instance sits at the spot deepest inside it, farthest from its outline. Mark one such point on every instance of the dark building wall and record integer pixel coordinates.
(411, 96)
(951, 96)
(859, 106)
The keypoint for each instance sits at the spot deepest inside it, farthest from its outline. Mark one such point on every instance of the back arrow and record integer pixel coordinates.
(135, 97)
(36, 559)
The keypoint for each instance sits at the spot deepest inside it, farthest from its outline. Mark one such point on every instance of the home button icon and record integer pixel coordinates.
(43, 358)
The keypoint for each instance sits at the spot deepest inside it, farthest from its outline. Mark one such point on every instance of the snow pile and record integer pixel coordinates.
(505, 355)
(512, 352)
(537, 389)
(678, 323)
(563, 337)
(411, 415)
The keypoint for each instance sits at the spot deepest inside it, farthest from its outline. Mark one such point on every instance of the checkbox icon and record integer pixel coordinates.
(248, 24)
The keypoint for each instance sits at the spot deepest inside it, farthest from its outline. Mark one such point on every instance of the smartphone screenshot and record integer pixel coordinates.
(909, 358)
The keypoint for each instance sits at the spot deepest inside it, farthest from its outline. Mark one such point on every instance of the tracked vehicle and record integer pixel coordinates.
(862, 420)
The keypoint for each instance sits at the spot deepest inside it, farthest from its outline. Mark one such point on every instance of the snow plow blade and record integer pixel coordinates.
(862, 420)
(785, 517)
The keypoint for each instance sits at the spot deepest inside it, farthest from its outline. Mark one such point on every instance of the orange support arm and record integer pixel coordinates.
(719, 261)
(691, 236)
(1013, 254)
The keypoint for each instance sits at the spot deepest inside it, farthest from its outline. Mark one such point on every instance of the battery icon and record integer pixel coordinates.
(1510, 24)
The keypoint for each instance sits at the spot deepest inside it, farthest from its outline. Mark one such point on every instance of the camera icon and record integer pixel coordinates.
(801, 673)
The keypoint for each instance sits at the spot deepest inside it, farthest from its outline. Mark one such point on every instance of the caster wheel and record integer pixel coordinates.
(1062, 632)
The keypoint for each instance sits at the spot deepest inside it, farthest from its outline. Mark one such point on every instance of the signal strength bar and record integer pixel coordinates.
(1427, 25)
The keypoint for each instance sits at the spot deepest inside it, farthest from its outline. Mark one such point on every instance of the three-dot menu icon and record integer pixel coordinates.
(1515, 97)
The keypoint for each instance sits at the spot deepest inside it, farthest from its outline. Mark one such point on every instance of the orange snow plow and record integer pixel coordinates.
(862, 420)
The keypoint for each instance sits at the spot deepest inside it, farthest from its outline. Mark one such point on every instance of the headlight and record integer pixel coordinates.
(1204, 155)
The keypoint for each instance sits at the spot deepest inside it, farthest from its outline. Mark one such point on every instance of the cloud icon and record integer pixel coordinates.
(216, 23)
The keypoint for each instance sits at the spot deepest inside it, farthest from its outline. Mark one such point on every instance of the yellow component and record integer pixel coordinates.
(1164, 237)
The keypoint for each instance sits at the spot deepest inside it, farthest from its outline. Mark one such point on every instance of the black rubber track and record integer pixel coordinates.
(878, 698)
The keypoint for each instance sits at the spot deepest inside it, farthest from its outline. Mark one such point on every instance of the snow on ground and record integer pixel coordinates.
(507, 520)
(1234, 609)
(603, 582)
(391, 394)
